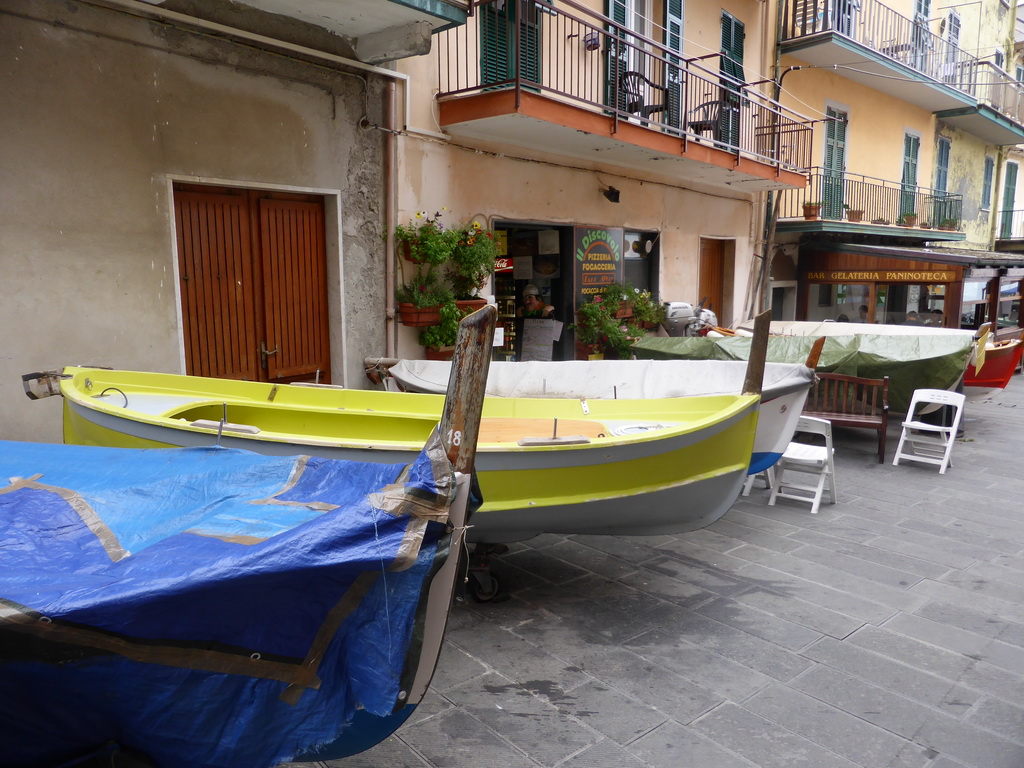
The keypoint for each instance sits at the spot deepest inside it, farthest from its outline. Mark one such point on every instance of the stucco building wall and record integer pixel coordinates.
(99, 113)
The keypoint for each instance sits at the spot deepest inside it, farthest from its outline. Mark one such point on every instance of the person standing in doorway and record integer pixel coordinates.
(533, 305)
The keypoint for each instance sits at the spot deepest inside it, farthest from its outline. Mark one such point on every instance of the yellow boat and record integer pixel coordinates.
(633, 467)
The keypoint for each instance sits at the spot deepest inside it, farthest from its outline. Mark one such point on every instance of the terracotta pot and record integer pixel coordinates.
(811, 212)
(854, 215)
(440, 353)
(405, 248)
(466, 306)
(589, 351)
(625, 310)
(418, 317)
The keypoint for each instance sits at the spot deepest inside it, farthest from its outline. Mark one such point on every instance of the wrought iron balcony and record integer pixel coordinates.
(869, 39)
(1011, 225)
(863, 200)
(571, 55)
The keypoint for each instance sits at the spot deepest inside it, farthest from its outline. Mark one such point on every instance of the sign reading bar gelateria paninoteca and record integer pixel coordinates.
(883, 276)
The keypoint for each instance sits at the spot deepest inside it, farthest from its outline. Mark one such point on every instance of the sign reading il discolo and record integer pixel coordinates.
(598, 260)
(883, 276)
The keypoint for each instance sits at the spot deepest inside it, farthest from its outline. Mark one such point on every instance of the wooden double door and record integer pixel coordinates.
(253, 281)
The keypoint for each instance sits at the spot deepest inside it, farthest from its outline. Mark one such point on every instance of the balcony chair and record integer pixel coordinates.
(635, 89)
(930, 443)
(706, 117)
(803, 460)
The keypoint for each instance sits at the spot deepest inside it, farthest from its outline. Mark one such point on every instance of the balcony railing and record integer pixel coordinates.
(1011, 225)
(878, 201)
(1000, 91)
(878, 27)
(571, 54)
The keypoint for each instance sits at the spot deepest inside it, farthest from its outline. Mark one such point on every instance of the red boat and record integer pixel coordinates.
(1001, 360)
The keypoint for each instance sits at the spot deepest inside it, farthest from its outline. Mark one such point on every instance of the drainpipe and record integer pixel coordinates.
(390, 206)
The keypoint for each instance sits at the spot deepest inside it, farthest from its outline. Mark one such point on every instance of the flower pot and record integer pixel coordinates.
(811, 212)
(418, 317)
(589, 351)
(909, 221)
(439, 353)
(466, 306)
(625, 310)
(405, 249)
(852, 215)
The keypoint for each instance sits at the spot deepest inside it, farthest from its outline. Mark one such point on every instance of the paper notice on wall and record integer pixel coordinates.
(538, 337)
(547, 242)
(522, 268)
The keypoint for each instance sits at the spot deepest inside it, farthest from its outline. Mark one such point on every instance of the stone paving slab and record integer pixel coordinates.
(887, 631)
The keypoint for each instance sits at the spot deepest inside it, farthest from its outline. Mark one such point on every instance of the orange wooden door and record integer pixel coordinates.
(253, 284)
(711, 275)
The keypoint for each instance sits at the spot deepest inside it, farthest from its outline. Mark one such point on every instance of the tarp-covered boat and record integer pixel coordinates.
(563, 466)
(911, 361)
(783, 392)
(217, 608)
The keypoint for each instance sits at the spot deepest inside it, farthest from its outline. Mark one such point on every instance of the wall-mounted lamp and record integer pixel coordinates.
(611, 194)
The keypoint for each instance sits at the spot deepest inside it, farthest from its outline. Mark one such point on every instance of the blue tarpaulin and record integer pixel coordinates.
(206, 606)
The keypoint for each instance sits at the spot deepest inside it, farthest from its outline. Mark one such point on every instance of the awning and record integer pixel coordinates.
(961, 256)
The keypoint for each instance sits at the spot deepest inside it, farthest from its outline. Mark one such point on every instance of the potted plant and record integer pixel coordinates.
(471, 264)
(909, 219)
(647, 313)
(618, 298)
(600, 333)
(812, 210)
(925, 225)
(853, 214)
(880, 221)
(948, 224)
(439, 339)
(421, 297)
(425, 240)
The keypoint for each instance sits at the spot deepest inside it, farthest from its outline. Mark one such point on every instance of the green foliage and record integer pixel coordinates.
(424, 289)
(646, 309)
(447, 331)
(424, 240)
(472, 260)
(596, 324)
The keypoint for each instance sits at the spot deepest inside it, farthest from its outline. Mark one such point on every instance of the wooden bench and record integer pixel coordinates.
(851, 401)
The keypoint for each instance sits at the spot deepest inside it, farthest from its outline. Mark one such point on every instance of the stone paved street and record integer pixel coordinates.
(886, 631)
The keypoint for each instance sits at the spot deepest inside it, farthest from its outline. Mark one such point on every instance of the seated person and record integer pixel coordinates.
(912, 319)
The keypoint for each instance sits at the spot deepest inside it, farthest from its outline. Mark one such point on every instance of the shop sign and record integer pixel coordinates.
(882, 276)
(503, 264)
(598, 260)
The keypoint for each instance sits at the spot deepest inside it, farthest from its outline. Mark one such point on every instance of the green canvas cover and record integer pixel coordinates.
(911, 362)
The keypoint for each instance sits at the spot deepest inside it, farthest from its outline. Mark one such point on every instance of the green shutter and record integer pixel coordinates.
(731, 63)
(835, 163)
(674, 42)
(498, 42)
(1009, 196)
(616, 56)
(908, 196)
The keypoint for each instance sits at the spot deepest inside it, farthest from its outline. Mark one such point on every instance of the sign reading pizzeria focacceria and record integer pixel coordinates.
(598, 260)
(882, 276)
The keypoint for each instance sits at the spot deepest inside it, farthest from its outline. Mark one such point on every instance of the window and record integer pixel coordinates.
(986, 186)
(974, 307)
(1008, 309)
(1000, 59)
(1020, 74)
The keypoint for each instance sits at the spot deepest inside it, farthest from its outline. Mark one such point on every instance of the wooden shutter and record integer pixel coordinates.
(617, 55)
(1009, 195)
(711, 276)
(835, 163)
(494, 44)
(292, 244)
(498, 42)
(908, 196)
(731, 63)
(217, 285)
(674, 42)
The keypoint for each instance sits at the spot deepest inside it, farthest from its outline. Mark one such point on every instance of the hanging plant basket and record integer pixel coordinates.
(467, 306)
(405, 249)
(439, 353)
(418, 317)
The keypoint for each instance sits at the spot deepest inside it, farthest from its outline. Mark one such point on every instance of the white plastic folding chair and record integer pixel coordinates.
(767, 475)
(805, 471)
(930, 443)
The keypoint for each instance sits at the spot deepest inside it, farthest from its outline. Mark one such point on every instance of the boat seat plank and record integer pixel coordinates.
(512, 430)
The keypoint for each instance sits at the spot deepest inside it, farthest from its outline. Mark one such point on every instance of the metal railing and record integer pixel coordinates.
(1010, 225)
(569, 53)
(876, 26)
(1000, 91)
(877, 201)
